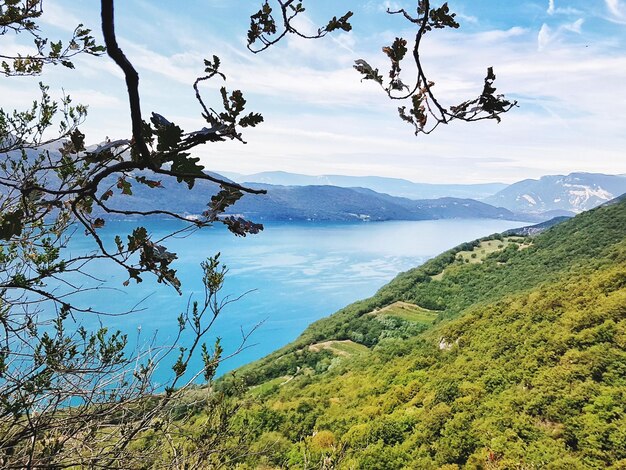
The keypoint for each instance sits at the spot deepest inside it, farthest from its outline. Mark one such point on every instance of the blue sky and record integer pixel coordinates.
(564, 61)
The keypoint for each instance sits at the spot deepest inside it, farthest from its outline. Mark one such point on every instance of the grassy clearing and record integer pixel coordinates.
(266, 386)
(340, 348)
(484, 249)
(408, 312)
(478, 254)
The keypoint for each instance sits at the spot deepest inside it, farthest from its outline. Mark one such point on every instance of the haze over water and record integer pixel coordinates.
(297, 272)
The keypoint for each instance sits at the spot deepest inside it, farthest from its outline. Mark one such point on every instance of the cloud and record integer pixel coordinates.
(553, 10)
(55, 15)
(500, 35)
(321, 119)
(544, 37)
(547, 35)
(467, 18)
(375, 5)
(617, 9)
(574, 27)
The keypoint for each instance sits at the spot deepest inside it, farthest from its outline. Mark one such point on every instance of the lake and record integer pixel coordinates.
(297, 273)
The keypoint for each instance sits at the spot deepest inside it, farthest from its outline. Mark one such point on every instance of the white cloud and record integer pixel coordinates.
(339, 125)
(97, 99)
(544, 37)
(617, 9)
(547, 35)
(467, 18)
(574, 27)
(55, 15)
(321, 119)
(500, 35)
(554, 10)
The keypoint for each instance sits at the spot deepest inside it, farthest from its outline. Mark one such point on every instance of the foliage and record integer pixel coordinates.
(267, 31)
(21, 16)
(65, 388)
(524, 369)
(426, 112)
(75, 396)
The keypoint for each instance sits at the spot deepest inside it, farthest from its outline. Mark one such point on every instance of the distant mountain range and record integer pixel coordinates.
(553, 196)
(550, 196)
(392, 186)
(314, 203)
(335, 197)
(335, 203)
(573, 193)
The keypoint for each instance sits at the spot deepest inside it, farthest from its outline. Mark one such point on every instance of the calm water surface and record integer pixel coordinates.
(298, 273)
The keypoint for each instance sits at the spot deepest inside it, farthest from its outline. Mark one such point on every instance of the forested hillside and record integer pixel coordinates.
(506, 352)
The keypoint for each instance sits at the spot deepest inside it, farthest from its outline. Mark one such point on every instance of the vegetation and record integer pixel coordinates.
(408, 312)
(489, 246)
(523, 369)
(73, 396)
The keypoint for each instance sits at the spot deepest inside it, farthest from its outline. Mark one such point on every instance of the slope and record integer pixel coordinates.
(522, 368)
(393, 186)
(304, 203)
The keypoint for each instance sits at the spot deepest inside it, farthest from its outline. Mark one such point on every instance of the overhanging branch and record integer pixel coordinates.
(131, 75)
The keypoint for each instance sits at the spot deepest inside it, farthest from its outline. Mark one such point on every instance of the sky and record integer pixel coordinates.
(563, 61)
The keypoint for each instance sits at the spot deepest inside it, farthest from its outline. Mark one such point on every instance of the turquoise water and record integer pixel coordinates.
(297, 272)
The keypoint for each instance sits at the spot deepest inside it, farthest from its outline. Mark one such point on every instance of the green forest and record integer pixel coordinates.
(515, 360)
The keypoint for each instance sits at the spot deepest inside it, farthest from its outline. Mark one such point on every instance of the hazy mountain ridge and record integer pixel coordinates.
(393, 186)
(308, 203)
(550, 195)
(575, 192)
(336, 203)
(344, 198)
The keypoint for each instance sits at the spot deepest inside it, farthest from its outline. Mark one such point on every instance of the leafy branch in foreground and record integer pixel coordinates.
(72, 394)
(77, 398)
(44, 192)
(425, 112)
(21, 16)
(265, 30)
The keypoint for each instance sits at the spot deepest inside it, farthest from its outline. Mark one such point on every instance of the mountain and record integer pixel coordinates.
(336, 203)
(392, 186)
(320, 203)
(504, 352)
(575, 193)
(282, 203)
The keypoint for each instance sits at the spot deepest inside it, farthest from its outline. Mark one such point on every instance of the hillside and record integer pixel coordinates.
(532, 200)
(309, 203)
(575, 193)
(336, 203)
(537, 228)
(393, 186)
(505, 352)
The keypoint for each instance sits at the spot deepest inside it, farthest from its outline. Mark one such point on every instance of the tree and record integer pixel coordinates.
(426, 112)
(63, 388)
